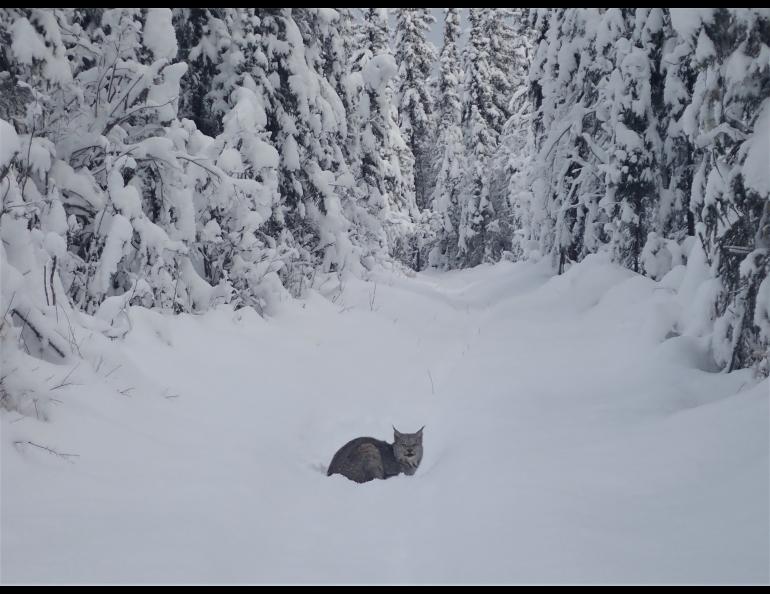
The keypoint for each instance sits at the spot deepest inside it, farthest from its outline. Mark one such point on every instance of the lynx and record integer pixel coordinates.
(366, 458)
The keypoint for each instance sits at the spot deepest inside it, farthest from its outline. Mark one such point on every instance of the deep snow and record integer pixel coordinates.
(569, 438)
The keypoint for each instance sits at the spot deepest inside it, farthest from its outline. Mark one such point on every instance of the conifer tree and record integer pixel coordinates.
(449, 148)
(415, 56)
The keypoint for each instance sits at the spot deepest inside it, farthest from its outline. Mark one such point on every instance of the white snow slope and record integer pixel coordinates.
(567, 440)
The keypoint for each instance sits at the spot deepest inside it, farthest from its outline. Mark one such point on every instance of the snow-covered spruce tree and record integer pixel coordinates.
(591, 141)
(376, 138)
(497, 28)
(508, 31)
(671, 93)
(336, 48)
(449, 147)
(729, 120)
(322, 126)
(566, 70)
(236, 204)
(235, 189)
(277, 56)
(480, 141)
(530, 238)
(415, 56)
(143, 221)
(201, 33)
(510, 166)
(486, 228)
(594, 139)
(667, 220)
(346, 221)
(633, 182)
(669, 107)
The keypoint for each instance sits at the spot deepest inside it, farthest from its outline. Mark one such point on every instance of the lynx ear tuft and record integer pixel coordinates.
(420, 431)
(395, 431)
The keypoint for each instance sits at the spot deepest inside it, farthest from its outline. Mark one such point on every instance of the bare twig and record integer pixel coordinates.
(128, 115)
(45, 287)
(28, 168)
(125, 95)
(39, 335)
(65, 385)
(10, 304)
(72, 339)
(53, 292)
(195, 162)
(46, 448)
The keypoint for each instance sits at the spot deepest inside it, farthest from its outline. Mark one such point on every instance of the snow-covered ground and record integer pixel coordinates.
(569, 438)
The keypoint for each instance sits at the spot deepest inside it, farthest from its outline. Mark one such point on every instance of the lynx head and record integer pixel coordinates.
(407, 448)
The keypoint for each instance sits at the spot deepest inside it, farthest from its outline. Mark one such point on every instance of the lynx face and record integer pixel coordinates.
(407, 448)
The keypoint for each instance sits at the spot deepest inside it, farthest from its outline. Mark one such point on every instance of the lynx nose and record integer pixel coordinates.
(410, 453)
